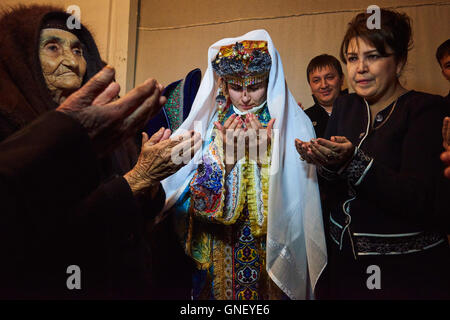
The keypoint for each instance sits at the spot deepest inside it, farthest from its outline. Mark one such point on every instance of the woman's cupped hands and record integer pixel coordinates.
(333, 153)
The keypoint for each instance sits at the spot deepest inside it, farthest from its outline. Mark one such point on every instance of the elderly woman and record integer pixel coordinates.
(381, 153)
(248, 214)
(42, 62)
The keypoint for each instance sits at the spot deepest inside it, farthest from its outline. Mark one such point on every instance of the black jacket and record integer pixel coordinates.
(395, 193)
(389, 207)
(319, 118)
(54, 214)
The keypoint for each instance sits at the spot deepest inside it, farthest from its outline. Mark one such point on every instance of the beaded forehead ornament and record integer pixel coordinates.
(243, 63)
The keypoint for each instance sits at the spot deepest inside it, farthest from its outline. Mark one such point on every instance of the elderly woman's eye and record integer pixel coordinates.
(52, 47)
(78, 51)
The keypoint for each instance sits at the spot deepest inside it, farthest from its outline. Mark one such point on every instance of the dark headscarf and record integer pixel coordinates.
(23, 91)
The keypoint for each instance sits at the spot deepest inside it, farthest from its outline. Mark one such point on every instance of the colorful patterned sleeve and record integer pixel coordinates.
(217, 198)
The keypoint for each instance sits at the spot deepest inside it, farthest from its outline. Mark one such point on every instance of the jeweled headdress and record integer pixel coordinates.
(244, 63)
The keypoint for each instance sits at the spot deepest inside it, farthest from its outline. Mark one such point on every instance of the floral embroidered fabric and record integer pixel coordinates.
(174, 107)
(227, 223)
(357, 167)
(372, 245)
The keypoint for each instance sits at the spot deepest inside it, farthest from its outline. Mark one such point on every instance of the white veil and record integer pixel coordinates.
(296, 250)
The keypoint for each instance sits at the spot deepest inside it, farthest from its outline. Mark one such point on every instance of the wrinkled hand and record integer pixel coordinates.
(233, 136)
(446, 133)
(333, 153)
(161, 157)
(109, 121)
(259, 138)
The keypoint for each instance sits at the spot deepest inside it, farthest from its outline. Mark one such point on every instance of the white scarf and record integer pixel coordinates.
(296, 251)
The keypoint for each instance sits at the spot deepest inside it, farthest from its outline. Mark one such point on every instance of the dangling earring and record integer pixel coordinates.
(220, 98)
(221, 102)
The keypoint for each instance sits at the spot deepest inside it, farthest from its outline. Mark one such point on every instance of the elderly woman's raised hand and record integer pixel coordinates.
(333, 153)
(161, 157)
(109, 121)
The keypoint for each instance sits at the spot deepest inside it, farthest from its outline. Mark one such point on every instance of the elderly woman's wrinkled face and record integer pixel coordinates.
(371, 75)
(246, 98)
(62, 62)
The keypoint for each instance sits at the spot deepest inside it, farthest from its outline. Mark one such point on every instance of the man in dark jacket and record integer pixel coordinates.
(325, 77)
(443, 58)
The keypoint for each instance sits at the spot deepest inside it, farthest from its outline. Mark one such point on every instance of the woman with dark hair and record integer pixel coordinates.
(381, 152)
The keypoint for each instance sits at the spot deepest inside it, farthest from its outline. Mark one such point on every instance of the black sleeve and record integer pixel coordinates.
(51, 155)
(113, 204)
(108, 240)
(54, 213)
(442, 205)
(45, 168)
(154, 204)
(331, 128)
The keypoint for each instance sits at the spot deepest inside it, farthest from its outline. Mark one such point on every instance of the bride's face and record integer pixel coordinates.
(246, 98)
